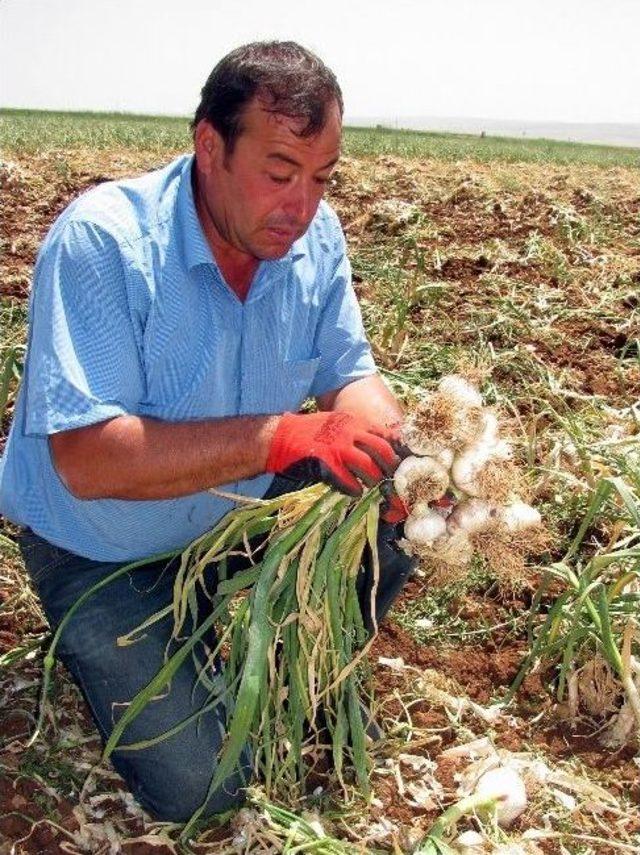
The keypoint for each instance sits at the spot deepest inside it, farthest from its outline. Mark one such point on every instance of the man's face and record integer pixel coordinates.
(263, 196)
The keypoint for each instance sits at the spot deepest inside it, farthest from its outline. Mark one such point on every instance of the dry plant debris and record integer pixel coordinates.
(526, 273)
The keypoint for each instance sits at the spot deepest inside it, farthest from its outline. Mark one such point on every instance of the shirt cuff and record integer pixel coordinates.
(45, 424)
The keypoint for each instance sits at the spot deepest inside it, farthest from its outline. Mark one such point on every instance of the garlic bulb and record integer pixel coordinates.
(506, 785)
(448, 418)
(469, 843)
(453, 548)
(421, 447)
(469, 466)
(444, 456)
(423, 526)
(456, 387)
(420, 479)
(519, 516)
(472, 516)
(416, 440)
(501, 450)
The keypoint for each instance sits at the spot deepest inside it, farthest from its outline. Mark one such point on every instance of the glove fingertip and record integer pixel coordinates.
(344, 483)
(403, 451)
(350, 490)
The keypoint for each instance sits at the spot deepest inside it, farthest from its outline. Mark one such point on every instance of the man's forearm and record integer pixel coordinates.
(368, 398)
(130, 457)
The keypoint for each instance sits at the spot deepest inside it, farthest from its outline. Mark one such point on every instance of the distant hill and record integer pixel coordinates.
(601, 132)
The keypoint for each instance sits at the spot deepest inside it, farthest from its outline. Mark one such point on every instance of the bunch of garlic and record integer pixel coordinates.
(460, 480)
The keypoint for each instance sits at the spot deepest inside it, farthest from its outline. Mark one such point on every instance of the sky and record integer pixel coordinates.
(539, 60)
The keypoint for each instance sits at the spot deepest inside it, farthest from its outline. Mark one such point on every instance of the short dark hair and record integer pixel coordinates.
(288, 78)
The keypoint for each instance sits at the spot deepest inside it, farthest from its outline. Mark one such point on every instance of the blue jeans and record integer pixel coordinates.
(169, 779)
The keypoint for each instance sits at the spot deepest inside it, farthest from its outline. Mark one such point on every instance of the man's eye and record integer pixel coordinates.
(279, 179)
(323, 181)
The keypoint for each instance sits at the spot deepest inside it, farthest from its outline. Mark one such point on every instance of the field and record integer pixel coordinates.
(518, 262)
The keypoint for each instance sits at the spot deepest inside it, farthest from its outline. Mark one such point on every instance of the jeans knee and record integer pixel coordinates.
(177, 795)
(178, 803)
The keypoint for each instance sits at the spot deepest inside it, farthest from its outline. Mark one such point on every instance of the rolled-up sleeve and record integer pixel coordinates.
(341, 341)
(83, 363)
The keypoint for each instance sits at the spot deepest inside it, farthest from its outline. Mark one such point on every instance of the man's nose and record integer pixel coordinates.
(302, 202)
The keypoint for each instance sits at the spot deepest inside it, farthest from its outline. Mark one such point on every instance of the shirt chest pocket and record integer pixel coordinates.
(283, 387)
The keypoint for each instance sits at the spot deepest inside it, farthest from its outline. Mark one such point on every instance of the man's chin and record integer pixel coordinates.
(264, 254)
(274, 250)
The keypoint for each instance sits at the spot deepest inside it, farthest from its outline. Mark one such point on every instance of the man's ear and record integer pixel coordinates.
(208, 146)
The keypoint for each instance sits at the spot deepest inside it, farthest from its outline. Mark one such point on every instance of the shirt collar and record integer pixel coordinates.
(196, 248)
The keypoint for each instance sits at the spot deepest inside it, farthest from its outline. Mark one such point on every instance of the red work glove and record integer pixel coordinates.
(337, 448)
(393, 509)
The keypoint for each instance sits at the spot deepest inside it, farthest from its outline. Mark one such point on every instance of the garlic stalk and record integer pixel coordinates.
(489, 428)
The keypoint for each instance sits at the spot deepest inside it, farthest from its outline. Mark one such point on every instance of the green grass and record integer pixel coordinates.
(33, 131)
(445, 146)
(13, 321)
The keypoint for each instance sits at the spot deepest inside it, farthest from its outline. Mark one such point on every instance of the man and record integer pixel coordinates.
(178, 321)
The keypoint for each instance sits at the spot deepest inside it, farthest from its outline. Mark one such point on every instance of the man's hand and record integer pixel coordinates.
(337, 448)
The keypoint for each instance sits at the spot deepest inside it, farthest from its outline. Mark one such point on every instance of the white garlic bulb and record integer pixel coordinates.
(445, 457)
(507, 787)
(472, 516)
(469, 465)
(454, 548)
(519, 516)
(420, 478)
(423, 526)
(456, 387)
(416, 441)
(470, 842)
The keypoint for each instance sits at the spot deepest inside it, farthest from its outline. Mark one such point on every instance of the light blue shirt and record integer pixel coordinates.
(129, 314)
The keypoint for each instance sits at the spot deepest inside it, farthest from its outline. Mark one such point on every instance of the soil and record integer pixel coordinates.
(480, 222)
